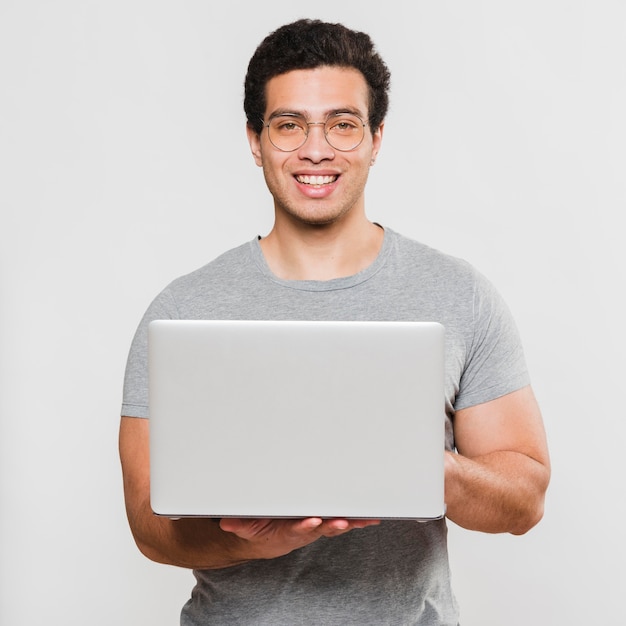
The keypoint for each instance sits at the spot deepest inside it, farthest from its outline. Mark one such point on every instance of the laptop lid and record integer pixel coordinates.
(297, 419)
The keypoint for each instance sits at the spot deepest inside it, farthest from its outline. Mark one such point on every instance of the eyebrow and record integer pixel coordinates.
(305, 115)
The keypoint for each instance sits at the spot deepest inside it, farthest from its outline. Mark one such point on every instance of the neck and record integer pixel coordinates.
(321, 252)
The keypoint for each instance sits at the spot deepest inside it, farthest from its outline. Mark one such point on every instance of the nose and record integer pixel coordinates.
(316, 148)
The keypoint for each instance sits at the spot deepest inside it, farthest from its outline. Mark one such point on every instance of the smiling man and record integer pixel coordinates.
(316, 95)
(316, 149)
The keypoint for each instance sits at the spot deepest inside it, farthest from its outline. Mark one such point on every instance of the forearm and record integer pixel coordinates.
(201, 543)
(195, 543)
(499, 492)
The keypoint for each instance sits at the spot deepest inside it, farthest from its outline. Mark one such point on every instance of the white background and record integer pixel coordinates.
(124, 163)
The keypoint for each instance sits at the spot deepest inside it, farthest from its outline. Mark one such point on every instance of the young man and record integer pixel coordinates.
(316, 98)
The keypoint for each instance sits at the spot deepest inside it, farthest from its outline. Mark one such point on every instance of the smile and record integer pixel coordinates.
(316, 180)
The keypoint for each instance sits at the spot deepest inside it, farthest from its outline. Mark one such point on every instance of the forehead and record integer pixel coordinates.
(317, 91)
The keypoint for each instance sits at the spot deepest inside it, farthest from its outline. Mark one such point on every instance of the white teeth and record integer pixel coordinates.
(316, 180)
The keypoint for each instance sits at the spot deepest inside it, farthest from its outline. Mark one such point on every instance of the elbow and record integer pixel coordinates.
(149, 538)
(150, 551)
(533, 511)
(527, 521)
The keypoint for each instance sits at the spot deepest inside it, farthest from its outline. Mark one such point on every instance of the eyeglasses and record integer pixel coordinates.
(289, 131)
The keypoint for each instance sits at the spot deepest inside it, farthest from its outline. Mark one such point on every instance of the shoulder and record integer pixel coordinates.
(189, 295)
(225, 267)
(441, 267)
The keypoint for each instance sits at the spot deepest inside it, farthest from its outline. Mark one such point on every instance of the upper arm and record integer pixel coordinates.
(512, 422)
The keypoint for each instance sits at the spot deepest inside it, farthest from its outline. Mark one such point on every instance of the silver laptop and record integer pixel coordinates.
(297, 419)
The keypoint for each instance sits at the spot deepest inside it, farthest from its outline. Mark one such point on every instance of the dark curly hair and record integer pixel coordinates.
(307, 44)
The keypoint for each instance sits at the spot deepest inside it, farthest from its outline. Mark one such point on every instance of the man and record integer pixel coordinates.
(315, 100)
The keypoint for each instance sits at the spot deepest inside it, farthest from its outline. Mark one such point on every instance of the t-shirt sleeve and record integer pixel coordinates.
(495, 363)
(135, 394)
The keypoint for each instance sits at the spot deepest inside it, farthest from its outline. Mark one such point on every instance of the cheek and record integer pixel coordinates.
(274, 178)
(273, 166)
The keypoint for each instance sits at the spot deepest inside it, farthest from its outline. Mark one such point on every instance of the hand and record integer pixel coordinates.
(271, 538)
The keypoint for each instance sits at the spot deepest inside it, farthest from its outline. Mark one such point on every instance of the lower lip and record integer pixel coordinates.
(317, 191)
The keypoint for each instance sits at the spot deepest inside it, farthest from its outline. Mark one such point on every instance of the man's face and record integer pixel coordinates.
(314, 95)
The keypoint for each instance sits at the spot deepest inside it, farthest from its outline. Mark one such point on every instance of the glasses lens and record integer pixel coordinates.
(344, 131)
(287, 132)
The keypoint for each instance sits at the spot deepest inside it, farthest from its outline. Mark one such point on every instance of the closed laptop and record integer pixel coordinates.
(297, 419)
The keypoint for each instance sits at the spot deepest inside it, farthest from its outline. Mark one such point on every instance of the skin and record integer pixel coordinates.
(498, 479)
(319, 232)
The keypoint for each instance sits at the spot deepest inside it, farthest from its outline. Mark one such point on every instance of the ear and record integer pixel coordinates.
(255, 145)
(377, 139)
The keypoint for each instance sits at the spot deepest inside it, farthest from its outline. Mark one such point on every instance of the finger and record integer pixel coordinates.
(337, 524)
(307, 524)
(336, 527)
(245, 528)
(250, 528)
(229, 524)
(364, 523)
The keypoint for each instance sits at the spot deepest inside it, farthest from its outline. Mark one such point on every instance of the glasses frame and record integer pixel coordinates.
(308, 124)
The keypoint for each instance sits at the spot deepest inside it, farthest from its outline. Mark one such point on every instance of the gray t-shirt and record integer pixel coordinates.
(395, 573)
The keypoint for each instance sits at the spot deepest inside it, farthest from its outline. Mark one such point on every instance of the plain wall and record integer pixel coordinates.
(124, 163)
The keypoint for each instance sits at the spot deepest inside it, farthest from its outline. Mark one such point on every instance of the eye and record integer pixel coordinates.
(343, 125)
(287, 125)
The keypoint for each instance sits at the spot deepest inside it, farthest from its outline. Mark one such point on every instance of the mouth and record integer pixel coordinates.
(316, 181)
